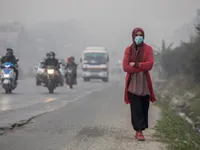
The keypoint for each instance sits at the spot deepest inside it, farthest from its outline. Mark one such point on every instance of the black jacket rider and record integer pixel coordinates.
(52, 62)
(10, 59)
(73, 66)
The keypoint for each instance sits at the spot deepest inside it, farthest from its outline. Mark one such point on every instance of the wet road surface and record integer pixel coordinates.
(95, 119)
(29, 100)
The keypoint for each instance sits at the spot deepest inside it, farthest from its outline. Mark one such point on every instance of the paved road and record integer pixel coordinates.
(98, 120)
(28, 100)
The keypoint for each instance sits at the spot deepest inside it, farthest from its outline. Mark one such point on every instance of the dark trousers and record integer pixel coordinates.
(139, 111)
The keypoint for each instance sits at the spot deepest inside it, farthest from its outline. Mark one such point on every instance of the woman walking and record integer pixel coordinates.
(137, 62)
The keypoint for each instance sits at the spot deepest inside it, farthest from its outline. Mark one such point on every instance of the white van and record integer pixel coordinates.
(95, 64)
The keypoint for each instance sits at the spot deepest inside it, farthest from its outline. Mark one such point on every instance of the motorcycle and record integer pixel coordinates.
(8, 77)
(70, 80)
(51, 78)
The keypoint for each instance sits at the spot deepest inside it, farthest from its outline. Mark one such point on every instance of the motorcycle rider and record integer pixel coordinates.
(71, 64)
(47, 55)
(52, 61)
(10, 57)
(67, 60)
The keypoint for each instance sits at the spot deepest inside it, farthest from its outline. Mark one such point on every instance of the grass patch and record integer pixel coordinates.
(192, 110)
(174, 130)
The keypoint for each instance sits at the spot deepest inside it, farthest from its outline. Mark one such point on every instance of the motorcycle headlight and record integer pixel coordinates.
(50, 71)
(6, 75)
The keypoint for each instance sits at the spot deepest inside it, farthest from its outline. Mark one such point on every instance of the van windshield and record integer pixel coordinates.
(97, 58)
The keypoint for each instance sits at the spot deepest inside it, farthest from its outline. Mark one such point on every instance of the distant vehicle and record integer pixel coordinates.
(8, 77)
(40, 72)
(70, 80)
(95, 64)
(52, 81)
(62, 67)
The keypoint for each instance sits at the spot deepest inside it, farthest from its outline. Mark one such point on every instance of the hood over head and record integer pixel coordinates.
(134, 33)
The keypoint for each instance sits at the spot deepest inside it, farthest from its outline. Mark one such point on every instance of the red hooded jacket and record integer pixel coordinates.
(145, 65)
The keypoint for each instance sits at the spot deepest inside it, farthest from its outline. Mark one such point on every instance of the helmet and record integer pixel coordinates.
(47, 55)
(72, 58)
(68, 59)
(9, 52)
(52, 55)
(9, 49)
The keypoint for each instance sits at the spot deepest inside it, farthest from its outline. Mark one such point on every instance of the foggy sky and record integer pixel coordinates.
(115, 16)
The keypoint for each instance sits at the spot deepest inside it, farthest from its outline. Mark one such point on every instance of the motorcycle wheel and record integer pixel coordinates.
(70, 83)
(38, 82)
(61, 83)
(50, 86)
(51, 91)
(6, 91)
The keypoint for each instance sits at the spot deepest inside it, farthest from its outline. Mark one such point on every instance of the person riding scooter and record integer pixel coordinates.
(10, 57)
(52, 61)
(71, 64)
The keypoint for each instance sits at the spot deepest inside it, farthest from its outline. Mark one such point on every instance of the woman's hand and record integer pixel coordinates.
(132, 64)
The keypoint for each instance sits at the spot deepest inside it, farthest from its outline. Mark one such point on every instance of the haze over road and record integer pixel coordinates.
(93, 116)
(28, 100)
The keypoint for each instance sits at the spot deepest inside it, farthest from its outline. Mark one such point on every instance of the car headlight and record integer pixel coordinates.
(69, 70)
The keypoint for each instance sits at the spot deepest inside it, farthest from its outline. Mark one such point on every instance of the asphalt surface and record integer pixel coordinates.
(29, 100)
(92, 116)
